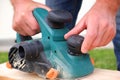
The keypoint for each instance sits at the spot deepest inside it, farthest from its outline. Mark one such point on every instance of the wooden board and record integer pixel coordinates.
(98, 74)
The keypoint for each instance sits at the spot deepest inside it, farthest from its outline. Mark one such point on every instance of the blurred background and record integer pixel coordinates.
(8, 35)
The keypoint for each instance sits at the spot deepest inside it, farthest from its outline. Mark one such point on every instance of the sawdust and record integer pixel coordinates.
(5, 78)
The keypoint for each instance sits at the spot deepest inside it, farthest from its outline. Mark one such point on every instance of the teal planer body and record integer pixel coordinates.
(51, 50)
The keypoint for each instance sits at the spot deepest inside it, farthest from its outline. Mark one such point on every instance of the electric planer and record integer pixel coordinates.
(51, 56)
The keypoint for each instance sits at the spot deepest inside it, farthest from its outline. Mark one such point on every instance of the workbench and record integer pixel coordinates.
(98, 74)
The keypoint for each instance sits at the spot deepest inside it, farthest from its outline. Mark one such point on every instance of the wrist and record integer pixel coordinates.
(111, 5)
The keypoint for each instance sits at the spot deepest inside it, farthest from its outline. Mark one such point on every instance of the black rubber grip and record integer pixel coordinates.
(74, 44)
(57, 18)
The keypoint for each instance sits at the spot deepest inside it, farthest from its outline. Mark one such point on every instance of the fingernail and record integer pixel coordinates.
(65, 36)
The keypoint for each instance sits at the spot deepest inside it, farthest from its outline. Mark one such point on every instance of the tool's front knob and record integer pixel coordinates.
(57, 18)
(74, 44)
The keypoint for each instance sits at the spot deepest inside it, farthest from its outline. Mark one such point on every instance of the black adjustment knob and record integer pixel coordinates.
(74, 44)
(57, 18)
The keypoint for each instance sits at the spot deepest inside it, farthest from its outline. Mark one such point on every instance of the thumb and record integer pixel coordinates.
(45, 7)
(42, 6)
(76, 30)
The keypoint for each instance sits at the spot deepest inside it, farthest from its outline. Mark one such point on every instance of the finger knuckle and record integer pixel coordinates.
(35, 28)
(92, 34)
(23, 15)
(14, 27)
(94, 44)
(32, 33)
(114, 32)
(112, 29)
(16, 23)
(104, 44)
(104, 24)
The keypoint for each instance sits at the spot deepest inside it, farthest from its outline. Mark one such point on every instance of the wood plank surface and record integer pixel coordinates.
(98, 74)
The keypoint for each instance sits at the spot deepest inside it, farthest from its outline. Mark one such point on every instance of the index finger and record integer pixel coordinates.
(92, 30)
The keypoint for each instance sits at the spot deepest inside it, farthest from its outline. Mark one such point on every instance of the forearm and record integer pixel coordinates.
(112, 5)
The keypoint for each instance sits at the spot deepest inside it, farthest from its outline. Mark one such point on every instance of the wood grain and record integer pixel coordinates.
(98, 74)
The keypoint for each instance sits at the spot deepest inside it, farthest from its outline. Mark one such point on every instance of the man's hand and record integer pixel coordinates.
(23, 20)
(100, 25)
